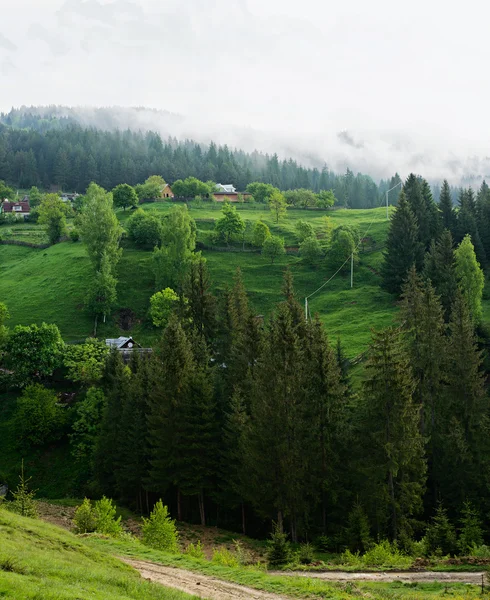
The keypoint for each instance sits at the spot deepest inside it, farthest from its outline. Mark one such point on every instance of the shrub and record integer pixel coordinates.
(23, 502)
(243, 555)
(304, 230)
(159, 530)
(224, 557)
(105, 517)
(306, 554)
(74, 235)
(278, 548)
(144, 229)
(385, 554)
(482, 551)
(38, 417)
(471, 534)
(440, 537)
(84, 518)
(323, 543)
(100, 518)
(195, 551)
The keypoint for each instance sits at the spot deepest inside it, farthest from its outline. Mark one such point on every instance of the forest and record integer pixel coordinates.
(241, 421)
(59, 153)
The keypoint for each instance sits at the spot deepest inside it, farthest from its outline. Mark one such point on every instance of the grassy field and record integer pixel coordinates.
(42, 561)
(50, 285)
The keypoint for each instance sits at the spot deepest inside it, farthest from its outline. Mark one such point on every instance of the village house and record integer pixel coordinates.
(122, 343)
(19, 209)
(228, 193)
(167, 192)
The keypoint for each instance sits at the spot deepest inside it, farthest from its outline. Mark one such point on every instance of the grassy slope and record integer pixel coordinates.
(50, 285)
(40, 561)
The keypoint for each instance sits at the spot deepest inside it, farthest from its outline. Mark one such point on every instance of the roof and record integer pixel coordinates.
(121, 342)
(8, 207)
(227, 187)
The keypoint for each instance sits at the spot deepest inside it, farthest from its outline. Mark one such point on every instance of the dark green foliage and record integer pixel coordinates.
(396, 467)
(439, 268)
(357, 534)
(124, 196)
(403, 248)
(144, 229)
(471, 532)
(440, 537)
(230, 224)
(448, 217)
(278, 548)
(39, 418)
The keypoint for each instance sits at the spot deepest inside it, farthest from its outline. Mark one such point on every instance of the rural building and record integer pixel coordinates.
(228, 188)
(21, 209)
(231, 196)
(122, 343)
(69, 197)
(167, 192)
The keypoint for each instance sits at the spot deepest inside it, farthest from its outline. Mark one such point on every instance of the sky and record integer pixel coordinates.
(376, 85)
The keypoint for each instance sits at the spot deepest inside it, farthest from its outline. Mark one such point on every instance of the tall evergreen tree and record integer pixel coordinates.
(446, 207)
(439, 268)
(394, 447)
(403, 248)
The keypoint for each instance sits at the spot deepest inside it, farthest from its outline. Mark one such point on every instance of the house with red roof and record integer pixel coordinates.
(20, 209)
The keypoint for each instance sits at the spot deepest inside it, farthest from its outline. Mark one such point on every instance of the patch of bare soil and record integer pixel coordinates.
(57, 515)
(199, 585)
(474, 578)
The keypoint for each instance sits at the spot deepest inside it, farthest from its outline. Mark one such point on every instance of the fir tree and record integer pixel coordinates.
(403, 248)
(439, 268)
(446, 207)
(396, 468)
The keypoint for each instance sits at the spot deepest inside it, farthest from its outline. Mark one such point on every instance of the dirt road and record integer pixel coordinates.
(211, 588)
(473, 577)
(199, 585)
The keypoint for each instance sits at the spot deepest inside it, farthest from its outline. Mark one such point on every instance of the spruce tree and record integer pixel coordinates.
(420, 206)
(446, 207)
(483, 216)
(439, 268)
(395, 465)
(172, 368)
(403, 248)
(201, 304)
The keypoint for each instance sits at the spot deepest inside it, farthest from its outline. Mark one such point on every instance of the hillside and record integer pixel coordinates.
(38, 560)
(50, 285)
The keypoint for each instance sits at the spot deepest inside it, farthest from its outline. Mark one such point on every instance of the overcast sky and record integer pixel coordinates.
(409, 83)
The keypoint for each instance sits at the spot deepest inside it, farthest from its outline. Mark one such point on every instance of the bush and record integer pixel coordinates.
(74, 235)
(225, 558)
(145, 229)
(101, 518)
(440, 537)
(323, 543)
(482, 551)
(471, 534)
(278, 548)
(195, 551)
(159, 530)
(38, 417)
(304, 230)
(243, 555)
(306, 554)
(385, 554)
(84, 518)
(105, 517)
(357, 532)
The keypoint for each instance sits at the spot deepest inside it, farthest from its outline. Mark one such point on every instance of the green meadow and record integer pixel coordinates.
(50, 284)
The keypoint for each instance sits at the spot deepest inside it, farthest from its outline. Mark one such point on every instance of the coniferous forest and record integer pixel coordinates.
(239, 420)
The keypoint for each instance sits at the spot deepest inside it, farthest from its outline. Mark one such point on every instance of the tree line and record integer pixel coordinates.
(70, 157)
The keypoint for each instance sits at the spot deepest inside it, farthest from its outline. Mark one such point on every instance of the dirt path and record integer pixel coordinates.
(474, 577)
(202, 586)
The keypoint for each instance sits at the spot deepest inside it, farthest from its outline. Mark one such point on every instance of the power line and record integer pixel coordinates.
(307, 310)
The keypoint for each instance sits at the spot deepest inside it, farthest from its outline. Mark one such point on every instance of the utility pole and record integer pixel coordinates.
(352, 270)
(387, 192)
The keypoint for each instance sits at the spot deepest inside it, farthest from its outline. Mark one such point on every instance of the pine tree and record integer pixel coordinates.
(201, 304)
(414, 191)
(23, 502)
(446, 207)
(403, 248)
(463, 474)
(394, 447)
(439, 268)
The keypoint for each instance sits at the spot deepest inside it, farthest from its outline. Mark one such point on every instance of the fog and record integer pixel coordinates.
(375, 86)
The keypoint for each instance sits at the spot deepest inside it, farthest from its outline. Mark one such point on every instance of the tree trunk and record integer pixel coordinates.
(95, 326)
(280, 523)
(244, 528)
(393, 507)
(179, 505)
(201, 508)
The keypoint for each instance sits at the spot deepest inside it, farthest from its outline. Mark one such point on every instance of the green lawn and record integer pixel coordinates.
(44, 562)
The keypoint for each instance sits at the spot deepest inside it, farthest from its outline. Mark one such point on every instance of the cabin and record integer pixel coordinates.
(167, 192)
(20, 209)
(231, 196)
(122, 343)
(228, 188)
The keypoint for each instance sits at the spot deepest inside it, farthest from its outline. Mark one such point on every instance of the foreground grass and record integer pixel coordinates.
(295, 587)
(40, 561)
